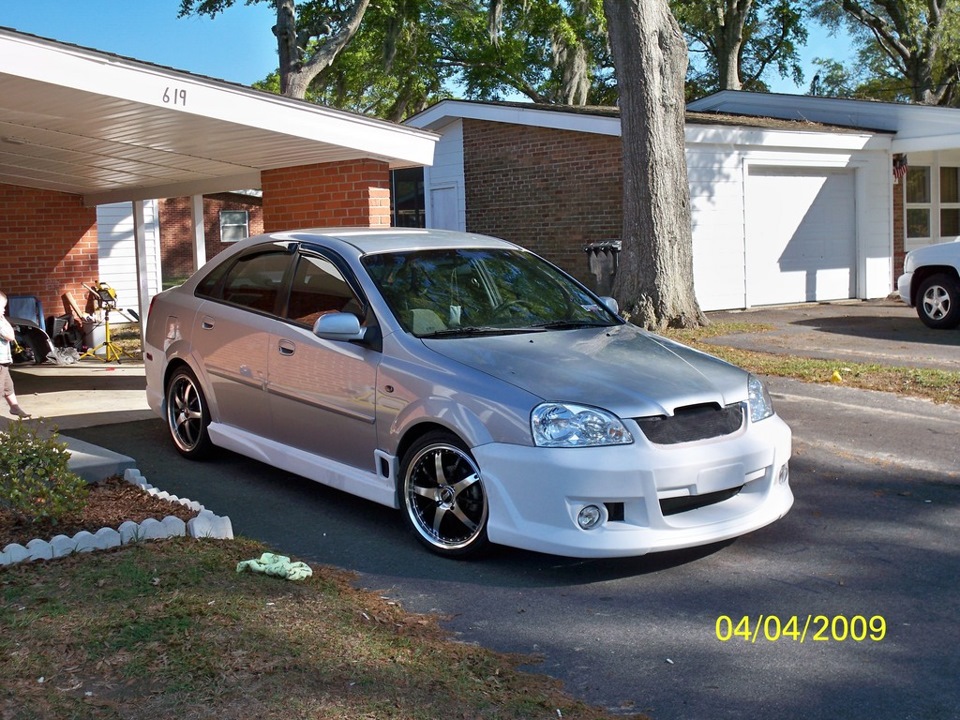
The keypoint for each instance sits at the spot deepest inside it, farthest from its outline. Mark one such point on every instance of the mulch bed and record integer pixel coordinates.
(111, 503)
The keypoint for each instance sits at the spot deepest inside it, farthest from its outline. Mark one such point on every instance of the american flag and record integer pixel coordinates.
(900, 166)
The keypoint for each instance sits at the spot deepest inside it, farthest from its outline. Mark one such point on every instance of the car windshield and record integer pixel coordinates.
(465, 291)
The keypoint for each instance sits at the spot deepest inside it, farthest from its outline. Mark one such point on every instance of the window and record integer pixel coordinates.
(949, 202)
(407, 198)
(918, 202)
(234, 225)
(932, 204)
(254, 281)
(319, 288)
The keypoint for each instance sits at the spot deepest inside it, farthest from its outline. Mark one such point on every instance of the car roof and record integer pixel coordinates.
(373, 240)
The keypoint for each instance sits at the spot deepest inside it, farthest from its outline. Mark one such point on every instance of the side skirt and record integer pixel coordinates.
(380, 488)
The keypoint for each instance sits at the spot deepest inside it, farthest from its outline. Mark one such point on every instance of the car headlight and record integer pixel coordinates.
(565, 425)
(761, 406)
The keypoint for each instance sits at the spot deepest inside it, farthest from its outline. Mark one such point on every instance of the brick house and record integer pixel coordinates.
(787, 207)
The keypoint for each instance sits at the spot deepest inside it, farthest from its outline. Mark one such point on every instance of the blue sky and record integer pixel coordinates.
(236, 46)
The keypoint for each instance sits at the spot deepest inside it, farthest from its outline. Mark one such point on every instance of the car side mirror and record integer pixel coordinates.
(340, 326)
(611, 304)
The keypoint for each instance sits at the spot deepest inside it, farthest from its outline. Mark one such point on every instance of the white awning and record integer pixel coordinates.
(115, 129)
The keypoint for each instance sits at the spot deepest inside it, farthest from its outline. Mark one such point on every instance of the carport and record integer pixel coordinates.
(80, 128)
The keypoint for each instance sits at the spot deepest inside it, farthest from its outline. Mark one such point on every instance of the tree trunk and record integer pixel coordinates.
(732, 17)
(296, 70)
(654, 281)
(286, 33)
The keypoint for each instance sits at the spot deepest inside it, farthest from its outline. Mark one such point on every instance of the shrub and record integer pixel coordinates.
(35, 481)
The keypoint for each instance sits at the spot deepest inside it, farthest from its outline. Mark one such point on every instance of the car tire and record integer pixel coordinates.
(938, 301)
(443, 497)
(187, 414)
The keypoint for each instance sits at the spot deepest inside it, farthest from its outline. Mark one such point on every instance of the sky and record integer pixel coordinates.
(236, 46)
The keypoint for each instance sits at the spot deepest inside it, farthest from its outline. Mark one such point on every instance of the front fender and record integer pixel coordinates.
(443, 412)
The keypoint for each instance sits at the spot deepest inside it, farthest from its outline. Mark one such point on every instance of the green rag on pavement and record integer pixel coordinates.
(277, 565)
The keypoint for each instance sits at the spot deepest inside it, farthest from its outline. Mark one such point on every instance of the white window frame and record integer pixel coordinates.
(912, 242)
(944, 205)
(225, 237)
(933, 165)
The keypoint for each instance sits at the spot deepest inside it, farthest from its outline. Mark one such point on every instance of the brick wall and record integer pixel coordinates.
(551, 191)
(176, 233)
(48, 245)
(354, 194)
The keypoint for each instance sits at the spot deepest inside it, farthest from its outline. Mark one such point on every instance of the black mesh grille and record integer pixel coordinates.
(695, 422)
(672, 506)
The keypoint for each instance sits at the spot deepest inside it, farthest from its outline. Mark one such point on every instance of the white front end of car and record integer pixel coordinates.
(627, 500)
(905, 281)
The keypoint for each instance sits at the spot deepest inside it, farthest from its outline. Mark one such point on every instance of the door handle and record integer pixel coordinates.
(207, 323)
(286, 347)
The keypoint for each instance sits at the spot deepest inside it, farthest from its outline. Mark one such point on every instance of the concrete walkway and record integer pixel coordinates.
(86, 394)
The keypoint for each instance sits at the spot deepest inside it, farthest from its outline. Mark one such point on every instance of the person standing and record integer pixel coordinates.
(6, 359)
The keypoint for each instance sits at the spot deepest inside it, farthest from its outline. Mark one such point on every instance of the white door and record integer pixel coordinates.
(444, 213)
(800, 235)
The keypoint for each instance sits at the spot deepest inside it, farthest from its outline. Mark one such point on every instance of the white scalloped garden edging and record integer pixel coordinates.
(204, 525)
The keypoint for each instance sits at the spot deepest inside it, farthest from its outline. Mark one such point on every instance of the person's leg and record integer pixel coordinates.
(10, 394)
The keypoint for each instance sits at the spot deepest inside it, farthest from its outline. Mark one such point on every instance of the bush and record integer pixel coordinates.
(35, 481)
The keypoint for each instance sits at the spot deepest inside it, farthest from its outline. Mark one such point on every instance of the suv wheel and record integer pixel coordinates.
(938, 302)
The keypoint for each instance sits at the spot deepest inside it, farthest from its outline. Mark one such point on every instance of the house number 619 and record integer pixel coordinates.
(175, 96)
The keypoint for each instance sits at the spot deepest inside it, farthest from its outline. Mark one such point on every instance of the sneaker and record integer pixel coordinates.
(19, 412)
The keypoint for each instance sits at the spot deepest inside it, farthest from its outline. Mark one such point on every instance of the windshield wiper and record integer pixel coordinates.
(571, 324)
(478, 330)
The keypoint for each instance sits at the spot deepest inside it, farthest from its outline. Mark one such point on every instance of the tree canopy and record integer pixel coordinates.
(308, 39)
(736, 43)
(907, 50)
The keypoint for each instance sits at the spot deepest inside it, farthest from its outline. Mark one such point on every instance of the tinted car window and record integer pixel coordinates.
(436, 291)
(318, 288)
(255, 281)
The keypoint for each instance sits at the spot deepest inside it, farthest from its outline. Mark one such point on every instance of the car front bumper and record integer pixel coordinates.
(536, 494)
(903, 287)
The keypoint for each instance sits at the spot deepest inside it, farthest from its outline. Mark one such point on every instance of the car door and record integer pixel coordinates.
(322, 392)
(231, 337)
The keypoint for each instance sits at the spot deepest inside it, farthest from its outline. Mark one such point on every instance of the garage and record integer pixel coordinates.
(800, 234)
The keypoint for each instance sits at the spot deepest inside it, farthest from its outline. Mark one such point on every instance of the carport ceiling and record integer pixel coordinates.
(114, 129)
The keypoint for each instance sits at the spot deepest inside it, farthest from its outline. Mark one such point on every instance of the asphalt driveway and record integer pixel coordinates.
(872, 535)
(874, 331)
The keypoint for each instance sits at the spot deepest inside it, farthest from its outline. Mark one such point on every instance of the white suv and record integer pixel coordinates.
(931, 283)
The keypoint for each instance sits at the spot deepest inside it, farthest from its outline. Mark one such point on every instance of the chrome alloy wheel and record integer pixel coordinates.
(936, 302)
(187, 414)
(444, 498)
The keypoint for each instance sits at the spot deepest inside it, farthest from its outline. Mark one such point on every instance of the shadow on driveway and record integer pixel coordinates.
(873, 331)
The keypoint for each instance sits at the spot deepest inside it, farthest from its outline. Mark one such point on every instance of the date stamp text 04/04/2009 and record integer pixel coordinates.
(799, 628)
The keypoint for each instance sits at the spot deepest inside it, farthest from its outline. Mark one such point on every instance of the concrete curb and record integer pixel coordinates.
(205, 525)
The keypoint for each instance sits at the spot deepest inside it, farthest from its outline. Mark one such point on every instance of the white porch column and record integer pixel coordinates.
(199, 237)
(140, 250)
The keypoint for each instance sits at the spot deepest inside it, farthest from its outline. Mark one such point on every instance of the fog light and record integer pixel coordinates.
(589, 517)
(784, 476)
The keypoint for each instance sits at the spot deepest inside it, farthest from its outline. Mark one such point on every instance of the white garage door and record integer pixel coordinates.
(800, 235)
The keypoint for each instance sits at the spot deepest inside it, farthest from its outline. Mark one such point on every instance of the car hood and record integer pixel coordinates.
(623, 369)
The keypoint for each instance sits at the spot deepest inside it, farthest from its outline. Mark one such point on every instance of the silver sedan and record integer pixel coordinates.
(469, 383)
